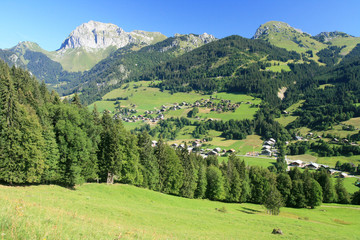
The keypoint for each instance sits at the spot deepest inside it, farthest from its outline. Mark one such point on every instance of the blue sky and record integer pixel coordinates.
(48, 22)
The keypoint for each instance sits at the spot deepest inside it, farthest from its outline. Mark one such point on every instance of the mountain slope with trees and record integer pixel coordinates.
(44, 140)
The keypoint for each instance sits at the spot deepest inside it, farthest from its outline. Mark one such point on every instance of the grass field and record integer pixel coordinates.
(285, 119)
(98, 211)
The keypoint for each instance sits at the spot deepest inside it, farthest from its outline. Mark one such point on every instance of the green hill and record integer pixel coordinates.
(128, 212)
(283, 35)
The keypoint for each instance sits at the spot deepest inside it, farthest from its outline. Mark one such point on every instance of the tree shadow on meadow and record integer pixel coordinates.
(248, 210)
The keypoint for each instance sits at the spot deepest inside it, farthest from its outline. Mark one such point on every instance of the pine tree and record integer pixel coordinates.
(190, 173)
(170, 169)
(326, 183)
(202, 182)
(273, 201)
(297, 197)
(313, 192)
(215, 188)
(110, 153)
(150, 167)
(284, 185)
(341, 192)
(21, 140)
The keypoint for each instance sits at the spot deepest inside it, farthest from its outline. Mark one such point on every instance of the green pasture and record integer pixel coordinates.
(99, 211)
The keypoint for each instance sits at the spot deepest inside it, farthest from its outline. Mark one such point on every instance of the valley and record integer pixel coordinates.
(181, 137)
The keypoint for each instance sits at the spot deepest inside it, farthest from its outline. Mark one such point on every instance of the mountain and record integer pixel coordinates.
(93, 41)
(129, 63)
(283, 35)
(343, 40)
(93, 36)
(88, 44)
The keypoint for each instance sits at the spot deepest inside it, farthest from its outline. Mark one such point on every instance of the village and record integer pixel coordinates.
(155, 115)
(268, 150)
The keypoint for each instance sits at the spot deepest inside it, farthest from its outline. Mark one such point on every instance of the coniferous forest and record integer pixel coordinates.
(46, 140)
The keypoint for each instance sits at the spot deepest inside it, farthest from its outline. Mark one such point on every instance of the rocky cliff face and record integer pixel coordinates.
(96, 35)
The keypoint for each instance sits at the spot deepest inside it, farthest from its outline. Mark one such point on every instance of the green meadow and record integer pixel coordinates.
(99, 211)
(148, 98)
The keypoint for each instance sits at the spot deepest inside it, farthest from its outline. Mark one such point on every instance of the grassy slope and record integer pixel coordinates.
(74, 60)
(349, 42)
(146, 98)
(97, 211)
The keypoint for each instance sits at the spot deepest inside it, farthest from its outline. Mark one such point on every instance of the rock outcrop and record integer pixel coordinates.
(96, 35)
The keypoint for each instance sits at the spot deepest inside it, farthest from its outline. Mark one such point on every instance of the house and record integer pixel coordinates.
(212, 153)
(266, 152)
(298, 138)
(312, 166)
(231, 151)
(343, 175)
(297, 163)
(218, 150)
(266, 147)
(270, 143)
(174, 145)
(153, 143)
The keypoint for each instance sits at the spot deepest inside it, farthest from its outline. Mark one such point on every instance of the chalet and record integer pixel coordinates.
(298, 138)
(313, 166)
(231, 151)
(266, 152)
(266, 147)
(343, 175)
(218, 150)
(212, 153)
(297, 163)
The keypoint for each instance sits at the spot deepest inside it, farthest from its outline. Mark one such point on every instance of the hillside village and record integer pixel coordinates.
(154, 115)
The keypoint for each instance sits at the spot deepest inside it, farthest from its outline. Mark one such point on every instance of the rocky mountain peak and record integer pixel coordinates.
(274, 27)
(94, 36)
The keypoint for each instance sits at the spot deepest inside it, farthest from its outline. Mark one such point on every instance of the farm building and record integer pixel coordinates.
(297, 163)
(312, 166)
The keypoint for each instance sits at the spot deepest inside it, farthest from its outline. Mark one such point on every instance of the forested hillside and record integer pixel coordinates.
(45, 140)
(128, 64)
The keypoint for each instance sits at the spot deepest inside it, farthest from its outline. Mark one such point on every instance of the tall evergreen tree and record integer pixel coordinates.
(170, 168)
(324, 179)
(110, 153)
(201, 183)
(273, 201)
(341, 192)
(21, 140)
(190, 172)
(150, 166)
(215, 188)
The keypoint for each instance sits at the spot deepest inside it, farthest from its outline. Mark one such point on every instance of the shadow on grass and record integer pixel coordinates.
(248, 210)
(36, 184)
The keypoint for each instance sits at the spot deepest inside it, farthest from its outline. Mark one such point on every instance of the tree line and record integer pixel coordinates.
(46, 140)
